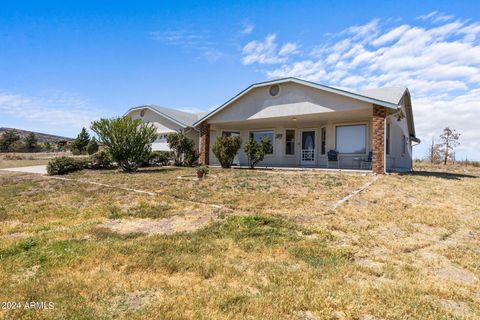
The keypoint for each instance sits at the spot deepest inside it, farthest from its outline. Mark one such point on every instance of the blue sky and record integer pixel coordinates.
(65, 63)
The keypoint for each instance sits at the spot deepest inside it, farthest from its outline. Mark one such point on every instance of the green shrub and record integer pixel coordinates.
(225, 149)
(162, 158)
(64, 165)
(101, 160)
(183, 148)
(256, 151)
(191, 157)
(128, 141)
(17, 146)
(202, 169)
(92, 146)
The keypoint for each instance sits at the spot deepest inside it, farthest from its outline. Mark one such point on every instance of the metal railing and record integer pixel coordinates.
(308, 154)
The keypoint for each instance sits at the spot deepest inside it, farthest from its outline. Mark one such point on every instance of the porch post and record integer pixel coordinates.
(378, 139)
(204, 143)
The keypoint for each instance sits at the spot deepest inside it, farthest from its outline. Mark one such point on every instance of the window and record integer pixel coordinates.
(230, 134)
(289, 142)
(387, 137)
(351, 138)
(274, 90)
(323, 140)
(259, 135)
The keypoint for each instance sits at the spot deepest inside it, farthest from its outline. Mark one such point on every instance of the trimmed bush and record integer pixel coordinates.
(225, 149)
(162, 158)
(92, 146)
(64, 165)
(183, 149)
(101, 160)
(256, 151)
(191, 157)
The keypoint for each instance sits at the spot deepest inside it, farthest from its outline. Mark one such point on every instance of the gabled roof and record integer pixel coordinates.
(182, 118)
(388, 94)
(358, 96)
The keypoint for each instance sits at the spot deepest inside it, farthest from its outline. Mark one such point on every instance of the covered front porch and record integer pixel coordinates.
(304, 141)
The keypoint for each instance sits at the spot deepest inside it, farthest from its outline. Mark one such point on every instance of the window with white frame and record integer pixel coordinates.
(259, 135)
(289, 142)
(351, 139)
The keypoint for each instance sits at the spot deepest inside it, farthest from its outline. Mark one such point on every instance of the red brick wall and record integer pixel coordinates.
(204, 143)
(378, 139)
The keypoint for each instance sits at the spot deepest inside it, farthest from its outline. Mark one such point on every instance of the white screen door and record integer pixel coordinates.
(308, 148)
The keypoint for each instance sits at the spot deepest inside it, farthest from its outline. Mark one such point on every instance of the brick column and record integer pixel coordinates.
(204, 143)
(378, 139)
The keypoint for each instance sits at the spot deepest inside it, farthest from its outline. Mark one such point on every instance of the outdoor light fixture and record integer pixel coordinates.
(294, 119)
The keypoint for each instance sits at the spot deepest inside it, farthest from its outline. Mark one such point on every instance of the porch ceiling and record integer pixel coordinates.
(303, 120)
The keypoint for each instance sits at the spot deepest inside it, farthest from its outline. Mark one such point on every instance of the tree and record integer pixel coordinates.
(449, 139)
(92, 146)
(47, 146)
(256, 151)
(225, 149)
(434, 153)
(128, 141)
(183, 148)
(31, 142)
(79, 145)
(7, 139)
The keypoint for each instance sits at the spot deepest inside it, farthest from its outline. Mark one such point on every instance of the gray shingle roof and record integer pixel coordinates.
(388, 94)
(183, 117)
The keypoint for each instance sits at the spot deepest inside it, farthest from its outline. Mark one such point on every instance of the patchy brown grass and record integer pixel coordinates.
(405, 248)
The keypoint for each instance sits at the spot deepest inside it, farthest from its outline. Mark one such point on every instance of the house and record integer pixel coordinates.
(167, 120)
(308, 125)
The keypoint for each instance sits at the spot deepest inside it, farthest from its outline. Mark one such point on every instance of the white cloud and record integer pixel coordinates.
(438, 60)
(435, 16)
(288, 48)
(59, 111)
(247, 28)
(194, 40)
(267, 52)
(427, 16)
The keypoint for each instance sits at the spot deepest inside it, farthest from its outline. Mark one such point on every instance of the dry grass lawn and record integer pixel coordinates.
(10, 160)
(254, 244)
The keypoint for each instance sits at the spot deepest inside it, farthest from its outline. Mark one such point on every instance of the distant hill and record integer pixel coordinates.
(41, 137)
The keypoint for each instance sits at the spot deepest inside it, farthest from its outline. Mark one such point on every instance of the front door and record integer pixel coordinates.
(307, 156)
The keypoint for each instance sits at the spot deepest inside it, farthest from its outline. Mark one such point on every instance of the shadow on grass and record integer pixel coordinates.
(438, 174)
(157, 170)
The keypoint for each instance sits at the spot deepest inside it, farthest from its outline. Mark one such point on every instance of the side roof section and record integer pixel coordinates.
(182, 118)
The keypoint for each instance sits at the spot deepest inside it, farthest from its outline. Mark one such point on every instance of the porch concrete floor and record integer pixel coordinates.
(323, 169)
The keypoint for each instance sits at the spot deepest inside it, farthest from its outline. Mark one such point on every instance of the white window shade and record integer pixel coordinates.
(351, 139)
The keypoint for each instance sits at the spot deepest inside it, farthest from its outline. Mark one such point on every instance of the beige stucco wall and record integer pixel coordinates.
(296, 107)
(397, 159)
(293, 100)
(163, 126)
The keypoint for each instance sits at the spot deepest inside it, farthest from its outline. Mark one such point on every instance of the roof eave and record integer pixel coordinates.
(298, 81)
